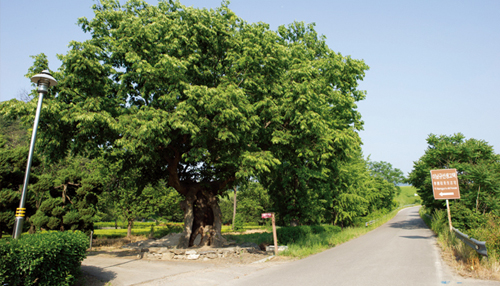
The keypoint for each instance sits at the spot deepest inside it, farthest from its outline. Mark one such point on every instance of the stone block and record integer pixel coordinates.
(193, 256)
(280, 248)
(158, 250)
(212, 255)
(167, 256)
(207, 252)
(179, 251)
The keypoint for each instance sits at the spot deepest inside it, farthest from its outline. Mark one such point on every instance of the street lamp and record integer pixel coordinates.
(44, 80)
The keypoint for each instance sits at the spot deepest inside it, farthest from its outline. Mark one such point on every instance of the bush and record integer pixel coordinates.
(292, 234)
(136, 225)
(238, 223)
(51, 258)
(489, 232)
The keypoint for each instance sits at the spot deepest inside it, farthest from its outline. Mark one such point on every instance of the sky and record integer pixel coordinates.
(434, 65)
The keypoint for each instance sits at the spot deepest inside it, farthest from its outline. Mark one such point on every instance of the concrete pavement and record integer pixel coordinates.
(401, 252)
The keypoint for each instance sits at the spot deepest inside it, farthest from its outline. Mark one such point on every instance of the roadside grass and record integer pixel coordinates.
(460, 256)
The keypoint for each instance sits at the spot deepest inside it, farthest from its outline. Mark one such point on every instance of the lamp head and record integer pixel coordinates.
(44, 80)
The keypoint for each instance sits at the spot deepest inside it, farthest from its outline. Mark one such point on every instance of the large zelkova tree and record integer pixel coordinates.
(313, 125)
(201, 99)
(478, 169)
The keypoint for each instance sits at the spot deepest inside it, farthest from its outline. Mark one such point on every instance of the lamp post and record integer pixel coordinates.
(44, 80)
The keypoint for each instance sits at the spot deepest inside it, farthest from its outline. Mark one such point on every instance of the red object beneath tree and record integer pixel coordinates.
(267, 215)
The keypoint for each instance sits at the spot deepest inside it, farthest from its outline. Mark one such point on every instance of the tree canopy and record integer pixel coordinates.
(478, 169)
(200, 99)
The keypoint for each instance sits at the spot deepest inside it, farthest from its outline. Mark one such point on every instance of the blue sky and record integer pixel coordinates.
(434, 65)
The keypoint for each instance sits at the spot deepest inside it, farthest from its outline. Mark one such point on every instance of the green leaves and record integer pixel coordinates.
(52, 258)
(477, 166)
(197, 97)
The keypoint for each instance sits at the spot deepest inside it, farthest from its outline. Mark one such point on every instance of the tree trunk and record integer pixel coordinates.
(234, 206)
(129, 227)
(202, 220)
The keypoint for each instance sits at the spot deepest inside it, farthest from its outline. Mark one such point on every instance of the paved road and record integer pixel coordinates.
(401, 252)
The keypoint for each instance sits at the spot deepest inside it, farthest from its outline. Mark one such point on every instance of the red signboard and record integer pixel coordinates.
(267, 215)
(445, 184)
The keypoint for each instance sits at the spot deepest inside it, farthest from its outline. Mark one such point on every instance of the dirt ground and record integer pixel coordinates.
(119, 248)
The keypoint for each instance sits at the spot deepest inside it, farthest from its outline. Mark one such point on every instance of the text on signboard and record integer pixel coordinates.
(444, 176)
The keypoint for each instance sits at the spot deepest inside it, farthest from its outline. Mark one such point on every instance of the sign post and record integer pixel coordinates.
(445, 187)
(275, 237)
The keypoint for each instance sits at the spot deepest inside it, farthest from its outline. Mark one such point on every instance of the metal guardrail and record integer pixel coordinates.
(478, 246)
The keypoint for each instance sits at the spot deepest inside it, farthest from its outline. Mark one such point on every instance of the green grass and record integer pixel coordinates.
(228, 228)
(465, 259)
(257, 238)
(407, 196)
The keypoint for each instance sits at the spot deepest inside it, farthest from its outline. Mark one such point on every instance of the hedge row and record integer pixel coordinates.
(137, 224)
(51, 258)
(158, 231)
(293, 234)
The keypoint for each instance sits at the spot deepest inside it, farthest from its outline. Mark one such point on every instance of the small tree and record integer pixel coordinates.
(71, 193)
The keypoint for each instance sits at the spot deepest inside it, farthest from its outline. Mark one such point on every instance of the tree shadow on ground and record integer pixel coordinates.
(117, 252)
(416, 237)
(415, 223)
(94, 276)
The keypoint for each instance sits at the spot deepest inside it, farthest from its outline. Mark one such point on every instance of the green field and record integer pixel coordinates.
(407, 196)
(140, 228)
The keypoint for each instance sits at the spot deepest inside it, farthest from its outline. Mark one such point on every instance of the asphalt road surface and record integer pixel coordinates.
(401, 252)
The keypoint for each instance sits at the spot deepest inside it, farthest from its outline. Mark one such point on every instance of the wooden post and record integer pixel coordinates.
(234, 207)
(449, 215)
(275, 236)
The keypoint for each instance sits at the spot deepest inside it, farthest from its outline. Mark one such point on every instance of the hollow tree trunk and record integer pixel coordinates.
(202, 221)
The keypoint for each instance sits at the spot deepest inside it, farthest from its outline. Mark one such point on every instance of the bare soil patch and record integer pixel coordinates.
(139, 247)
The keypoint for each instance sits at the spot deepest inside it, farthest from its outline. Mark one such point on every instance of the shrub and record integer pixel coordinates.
(489, 232)
(238, 223)
(51, 258)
